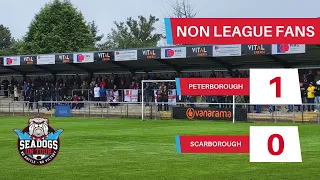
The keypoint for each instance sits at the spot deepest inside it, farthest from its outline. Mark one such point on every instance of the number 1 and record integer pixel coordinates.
(277, 81)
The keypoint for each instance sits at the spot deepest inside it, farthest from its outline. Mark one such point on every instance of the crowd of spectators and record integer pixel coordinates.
(79, 88)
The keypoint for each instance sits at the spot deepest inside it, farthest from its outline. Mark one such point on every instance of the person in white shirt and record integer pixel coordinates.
(96, 93)
(16, 93)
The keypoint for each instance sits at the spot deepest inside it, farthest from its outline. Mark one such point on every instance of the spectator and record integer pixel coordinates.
(96, 93)
(84, 89)
(103, 83)
(47, 95)
(159, 98)
(132, 85)
(64, 90)
(110, 84)
(165, 97)
(110, 87)
(137, 86)
(317, 76)
(25, 87)
(42, 96)
(115, 91)
(93, 83)
(317, 96)
(103, 94)
(213, 75)
(57, 92)
(310, 96)
(37, 95)
(310, 77)
(16, 93)
(75, 99)
(258, 108)
(5, 84)
(290, 108)
(31, 97)
(303, 95)
(113, 103)
(122, 84)
(271, 108)
(149, 93)
(13, 82)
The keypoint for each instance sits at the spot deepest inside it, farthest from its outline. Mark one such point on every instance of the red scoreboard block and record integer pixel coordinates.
(265, 144)
(212, 144)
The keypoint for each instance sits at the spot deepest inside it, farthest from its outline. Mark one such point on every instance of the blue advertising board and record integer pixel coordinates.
(63, 110)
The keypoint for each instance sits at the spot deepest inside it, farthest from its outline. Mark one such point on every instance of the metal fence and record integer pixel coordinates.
(151, 111)
(87, 94)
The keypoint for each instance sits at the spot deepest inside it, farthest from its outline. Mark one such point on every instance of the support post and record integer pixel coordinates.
(233, 109)
(142, 100)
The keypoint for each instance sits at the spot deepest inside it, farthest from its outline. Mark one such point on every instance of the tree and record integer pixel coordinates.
(58, 27)
(16, 47)
(94, 32)
(182, 9)
(5, 40)
(133, 34)
(179, 9)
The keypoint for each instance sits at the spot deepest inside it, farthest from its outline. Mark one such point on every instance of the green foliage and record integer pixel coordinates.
(133, 34)
(16, 47)
(94, 32)
(58, 27)
(5, 37)
(6, 40)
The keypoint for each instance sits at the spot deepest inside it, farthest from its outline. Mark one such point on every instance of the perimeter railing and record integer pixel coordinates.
(242, 111)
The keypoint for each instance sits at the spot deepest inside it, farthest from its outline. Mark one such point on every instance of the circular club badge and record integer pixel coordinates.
(38, 143)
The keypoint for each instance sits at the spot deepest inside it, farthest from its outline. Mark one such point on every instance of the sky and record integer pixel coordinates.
(17, 14)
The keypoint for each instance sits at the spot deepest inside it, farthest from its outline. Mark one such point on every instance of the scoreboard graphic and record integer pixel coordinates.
(265, 143)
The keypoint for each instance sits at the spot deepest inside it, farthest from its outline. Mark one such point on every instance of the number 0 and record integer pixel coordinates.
(270, 144)
(277, 80)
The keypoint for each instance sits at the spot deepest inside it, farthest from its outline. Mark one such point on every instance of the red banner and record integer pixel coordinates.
(212, 144)
(243, 30)
(213, 86)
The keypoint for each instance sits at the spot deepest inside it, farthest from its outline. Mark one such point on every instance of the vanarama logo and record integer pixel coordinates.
(38, 143)
(192, 113)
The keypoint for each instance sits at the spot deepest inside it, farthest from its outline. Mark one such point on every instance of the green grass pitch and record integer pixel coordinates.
(120, 149)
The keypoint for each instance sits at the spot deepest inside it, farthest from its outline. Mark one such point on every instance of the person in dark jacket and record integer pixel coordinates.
(31, 97)
(165, 97)
(37, 98)
(317, 97)
(149, 94)
(303, 96)
(47, 94)
(42, 96)
(57, 91)
(159, 98)
(5, 84)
